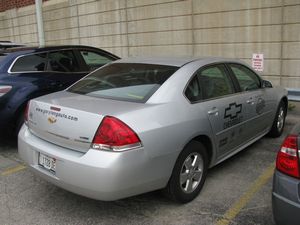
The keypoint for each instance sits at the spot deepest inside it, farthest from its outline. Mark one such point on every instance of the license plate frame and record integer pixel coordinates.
(46, 162)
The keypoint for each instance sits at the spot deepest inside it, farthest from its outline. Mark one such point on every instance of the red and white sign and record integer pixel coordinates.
(258, 62)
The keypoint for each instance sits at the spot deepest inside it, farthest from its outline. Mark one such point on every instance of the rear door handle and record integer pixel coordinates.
(213, 112)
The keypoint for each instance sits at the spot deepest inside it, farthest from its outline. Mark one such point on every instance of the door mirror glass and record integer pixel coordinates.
(266, 84)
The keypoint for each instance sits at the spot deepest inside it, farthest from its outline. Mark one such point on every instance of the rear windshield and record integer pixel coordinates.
(124, 81)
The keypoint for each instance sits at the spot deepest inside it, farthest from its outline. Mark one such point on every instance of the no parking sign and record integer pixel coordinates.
(258, 62)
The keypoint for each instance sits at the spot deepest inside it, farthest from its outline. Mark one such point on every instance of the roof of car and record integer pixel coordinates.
(46, 48)
(174, 61)
(9, 44)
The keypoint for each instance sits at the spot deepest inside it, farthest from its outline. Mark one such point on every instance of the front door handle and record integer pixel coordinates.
(250, 101)
(213, 112)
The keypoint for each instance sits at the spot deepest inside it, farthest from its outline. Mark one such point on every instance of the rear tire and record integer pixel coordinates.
(279, 121)
(189, 173)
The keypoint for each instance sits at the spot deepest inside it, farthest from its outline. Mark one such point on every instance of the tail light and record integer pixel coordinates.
(4, 90)
(26, 112)
(288, 157)
(114, 135)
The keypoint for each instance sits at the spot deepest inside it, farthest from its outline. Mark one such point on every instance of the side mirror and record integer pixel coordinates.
(266, 84)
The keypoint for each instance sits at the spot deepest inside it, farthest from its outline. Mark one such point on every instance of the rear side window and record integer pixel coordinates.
(246, 78)
(62, 61)
(124, 81)
(36, 62)
(210, 82)
(94, 60)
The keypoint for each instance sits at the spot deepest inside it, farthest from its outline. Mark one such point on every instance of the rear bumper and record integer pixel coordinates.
(285, 199)
(95, 174)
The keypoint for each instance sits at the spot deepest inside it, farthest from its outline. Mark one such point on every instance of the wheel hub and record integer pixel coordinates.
(191, 172)
(280, 119)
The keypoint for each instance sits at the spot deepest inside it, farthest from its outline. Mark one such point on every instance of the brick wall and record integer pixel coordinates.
(10, 4)
(230, 28)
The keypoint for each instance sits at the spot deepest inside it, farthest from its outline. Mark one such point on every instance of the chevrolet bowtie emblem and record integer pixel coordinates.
(51, 119)
(233, 110)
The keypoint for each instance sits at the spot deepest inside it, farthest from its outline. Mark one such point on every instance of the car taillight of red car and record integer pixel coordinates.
(287, 160)
(115, 135)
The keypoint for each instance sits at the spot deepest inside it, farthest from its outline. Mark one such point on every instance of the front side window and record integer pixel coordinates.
(124, 81)
(30, 63)
(62, 61)
(246, 78)
(94, 60)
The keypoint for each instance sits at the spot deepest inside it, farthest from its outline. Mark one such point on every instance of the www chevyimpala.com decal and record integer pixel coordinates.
(54, 115)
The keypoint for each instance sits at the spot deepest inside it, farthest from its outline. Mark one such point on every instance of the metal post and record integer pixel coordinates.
(40, 24)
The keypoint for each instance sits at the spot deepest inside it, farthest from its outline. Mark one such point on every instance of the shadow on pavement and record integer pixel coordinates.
(8, 142)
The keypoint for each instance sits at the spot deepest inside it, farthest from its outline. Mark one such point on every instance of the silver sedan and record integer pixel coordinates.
(142, 124)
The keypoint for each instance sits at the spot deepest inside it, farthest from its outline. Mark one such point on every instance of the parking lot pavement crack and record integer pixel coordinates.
(207, 214)
(254, 208)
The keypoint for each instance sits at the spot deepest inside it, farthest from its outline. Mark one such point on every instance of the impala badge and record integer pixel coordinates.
(51, 119)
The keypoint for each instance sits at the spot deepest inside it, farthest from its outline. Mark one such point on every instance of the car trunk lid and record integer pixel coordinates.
(71, 120)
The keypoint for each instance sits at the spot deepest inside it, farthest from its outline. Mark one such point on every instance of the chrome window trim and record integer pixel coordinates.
(47, 71)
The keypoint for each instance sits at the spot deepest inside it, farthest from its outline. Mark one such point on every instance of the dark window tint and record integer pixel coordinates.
(94, 60)
(62, 61)
(36, 62)
(247, 79)
(124, 81)
(210, 82)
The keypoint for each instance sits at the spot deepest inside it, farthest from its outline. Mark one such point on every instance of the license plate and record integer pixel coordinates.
(47, 162)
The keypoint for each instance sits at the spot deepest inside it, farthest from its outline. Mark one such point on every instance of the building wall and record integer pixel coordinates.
(230, 28)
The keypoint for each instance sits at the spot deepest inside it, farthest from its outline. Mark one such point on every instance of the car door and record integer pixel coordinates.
(258, 102)
(63, 68)
(212, 92)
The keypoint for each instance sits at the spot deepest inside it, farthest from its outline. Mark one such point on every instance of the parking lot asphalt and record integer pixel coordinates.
(237, 191)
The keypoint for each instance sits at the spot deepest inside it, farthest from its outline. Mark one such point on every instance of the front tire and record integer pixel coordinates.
(279, 121)
(189, 173)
